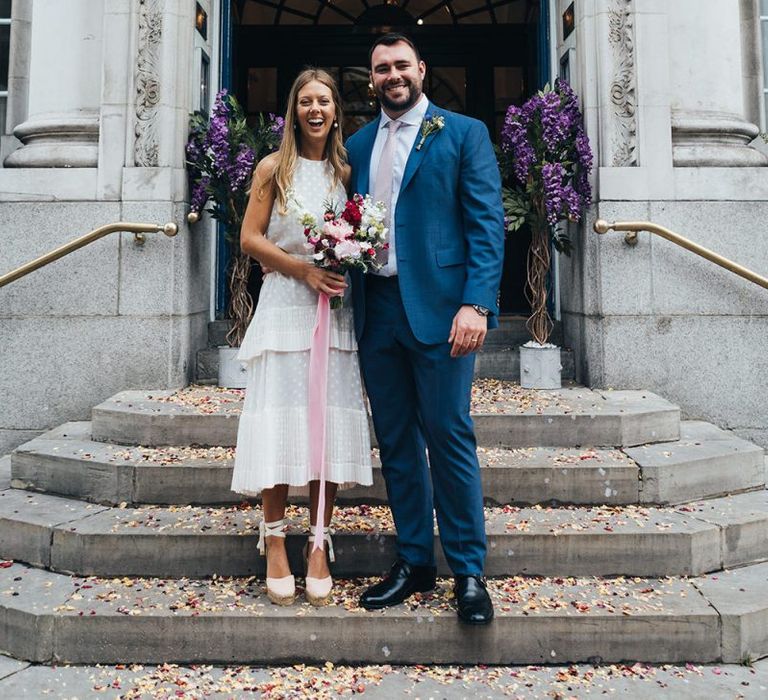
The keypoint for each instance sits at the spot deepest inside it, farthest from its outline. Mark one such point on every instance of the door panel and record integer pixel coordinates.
(477, 69)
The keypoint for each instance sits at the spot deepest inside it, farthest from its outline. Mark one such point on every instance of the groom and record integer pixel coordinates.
(421, 319)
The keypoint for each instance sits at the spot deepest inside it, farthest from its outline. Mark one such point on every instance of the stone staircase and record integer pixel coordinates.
(616, 532)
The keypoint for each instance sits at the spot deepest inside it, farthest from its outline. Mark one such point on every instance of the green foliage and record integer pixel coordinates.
(517, 208)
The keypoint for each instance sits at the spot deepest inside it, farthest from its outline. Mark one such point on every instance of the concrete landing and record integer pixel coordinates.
(504, 414)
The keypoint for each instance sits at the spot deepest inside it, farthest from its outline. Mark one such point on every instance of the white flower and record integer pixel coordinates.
(339, 229)
(347, 249)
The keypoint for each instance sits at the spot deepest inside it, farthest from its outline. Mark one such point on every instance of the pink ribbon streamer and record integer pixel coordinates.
(318, 393)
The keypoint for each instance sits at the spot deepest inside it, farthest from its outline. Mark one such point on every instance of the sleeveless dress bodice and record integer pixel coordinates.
(285, 315)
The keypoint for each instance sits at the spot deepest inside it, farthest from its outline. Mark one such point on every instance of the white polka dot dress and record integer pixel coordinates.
(272, 439)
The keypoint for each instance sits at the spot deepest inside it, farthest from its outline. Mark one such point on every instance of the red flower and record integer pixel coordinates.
(352, 214)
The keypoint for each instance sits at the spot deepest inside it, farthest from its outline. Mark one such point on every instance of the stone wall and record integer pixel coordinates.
(107, 96)
(111, 316)
(656, 316)
(672, 145)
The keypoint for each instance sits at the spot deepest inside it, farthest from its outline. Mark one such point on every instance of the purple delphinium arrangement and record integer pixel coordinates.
(545, 160)
(222, 152)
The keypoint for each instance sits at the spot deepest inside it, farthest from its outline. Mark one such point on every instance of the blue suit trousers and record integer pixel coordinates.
(420, 400)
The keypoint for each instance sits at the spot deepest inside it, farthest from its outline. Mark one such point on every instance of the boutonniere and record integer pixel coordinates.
(430, 126)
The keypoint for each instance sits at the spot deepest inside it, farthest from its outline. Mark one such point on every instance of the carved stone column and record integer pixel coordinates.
(608, 37)
(64, 86)
(148, 82)
(623, 84)
(707, 87)
(160, 99)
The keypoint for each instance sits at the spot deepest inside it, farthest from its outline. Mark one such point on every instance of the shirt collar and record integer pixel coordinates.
(413, 117)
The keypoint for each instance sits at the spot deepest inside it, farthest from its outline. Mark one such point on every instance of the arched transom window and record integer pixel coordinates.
(390, 13)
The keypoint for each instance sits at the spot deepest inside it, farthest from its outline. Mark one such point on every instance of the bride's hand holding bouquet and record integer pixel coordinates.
(347, 239)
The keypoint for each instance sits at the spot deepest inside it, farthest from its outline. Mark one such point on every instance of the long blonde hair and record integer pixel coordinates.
(288, 153)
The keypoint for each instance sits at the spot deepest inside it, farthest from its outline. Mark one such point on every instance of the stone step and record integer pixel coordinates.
(740, 597)
(65, 461)
(511, 332)
(55, 618)
(497, 360)
(631, 681)
(504, 414)
(705, 462)
(186, 541)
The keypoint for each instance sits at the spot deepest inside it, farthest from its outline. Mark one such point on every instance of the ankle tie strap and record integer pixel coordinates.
(327, 532)
(274, 529)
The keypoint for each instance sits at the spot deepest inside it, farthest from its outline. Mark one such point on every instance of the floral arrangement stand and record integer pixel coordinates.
(540, 366)
(233, 373)
(545, 160)
(222, 152)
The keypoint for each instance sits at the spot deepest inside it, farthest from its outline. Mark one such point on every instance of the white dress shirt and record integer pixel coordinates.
(405, 139)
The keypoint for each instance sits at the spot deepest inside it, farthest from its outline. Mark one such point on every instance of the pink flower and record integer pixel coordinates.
(346, 249)
(338, 230)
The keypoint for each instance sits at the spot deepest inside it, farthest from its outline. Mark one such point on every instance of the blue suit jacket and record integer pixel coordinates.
(449, 224)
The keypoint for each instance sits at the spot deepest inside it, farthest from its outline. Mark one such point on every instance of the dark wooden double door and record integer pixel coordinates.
(474, 70)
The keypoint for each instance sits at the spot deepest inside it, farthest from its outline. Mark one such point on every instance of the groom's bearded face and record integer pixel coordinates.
(397, 77)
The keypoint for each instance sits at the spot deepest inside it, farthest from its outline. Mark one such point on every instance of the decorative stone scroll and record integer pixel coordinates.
(623, 84)
(145, 149)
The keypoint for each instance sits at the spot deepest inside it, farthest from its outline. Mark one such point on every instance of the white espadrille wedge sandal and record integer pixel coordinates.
(281, 591)
(318, 590)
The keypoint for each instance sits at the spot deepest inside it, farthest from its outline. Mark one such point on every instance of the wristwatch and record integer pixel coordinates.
(481, 310)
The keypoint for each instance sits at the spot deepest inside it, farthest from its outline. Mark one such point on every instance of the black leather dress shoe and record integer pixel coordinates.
(403, 580)
(473, 603)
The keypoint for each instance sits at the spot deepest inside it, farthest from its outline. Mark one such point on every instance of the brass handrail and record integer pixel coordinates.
(632, 228)
(169, 229)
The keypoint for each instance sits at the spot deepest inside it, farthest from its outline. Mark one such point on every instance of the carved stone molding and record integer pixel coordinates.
(64, 140)
(714, 139)
(145, 149)
(623, 85)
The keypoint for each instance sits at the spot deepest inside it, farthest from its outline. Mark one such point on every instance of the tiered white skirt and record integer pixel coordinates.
(273, 434)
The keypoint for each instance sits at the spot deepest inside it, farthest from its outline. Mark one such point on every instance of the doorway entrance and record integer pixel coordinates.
(481, 56)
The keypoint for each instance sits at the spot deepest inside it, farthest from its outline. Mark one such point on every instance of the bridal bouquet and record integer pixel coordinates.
(346, 239)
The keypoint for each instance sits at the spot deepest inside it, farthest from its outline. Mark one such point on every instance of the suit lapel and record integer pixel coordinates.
(416, 157)
(368, 137)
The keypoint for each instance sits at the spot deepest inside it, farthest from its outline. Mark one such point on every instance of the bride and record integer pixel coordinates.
(273, 455)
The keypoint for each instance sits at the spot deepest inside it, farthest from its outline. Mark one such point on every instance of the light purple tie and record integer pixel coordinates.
(382, 189)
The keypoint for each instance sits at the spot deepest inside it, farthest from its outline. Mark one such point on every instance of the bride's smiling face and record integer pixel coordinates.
(315, 111)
